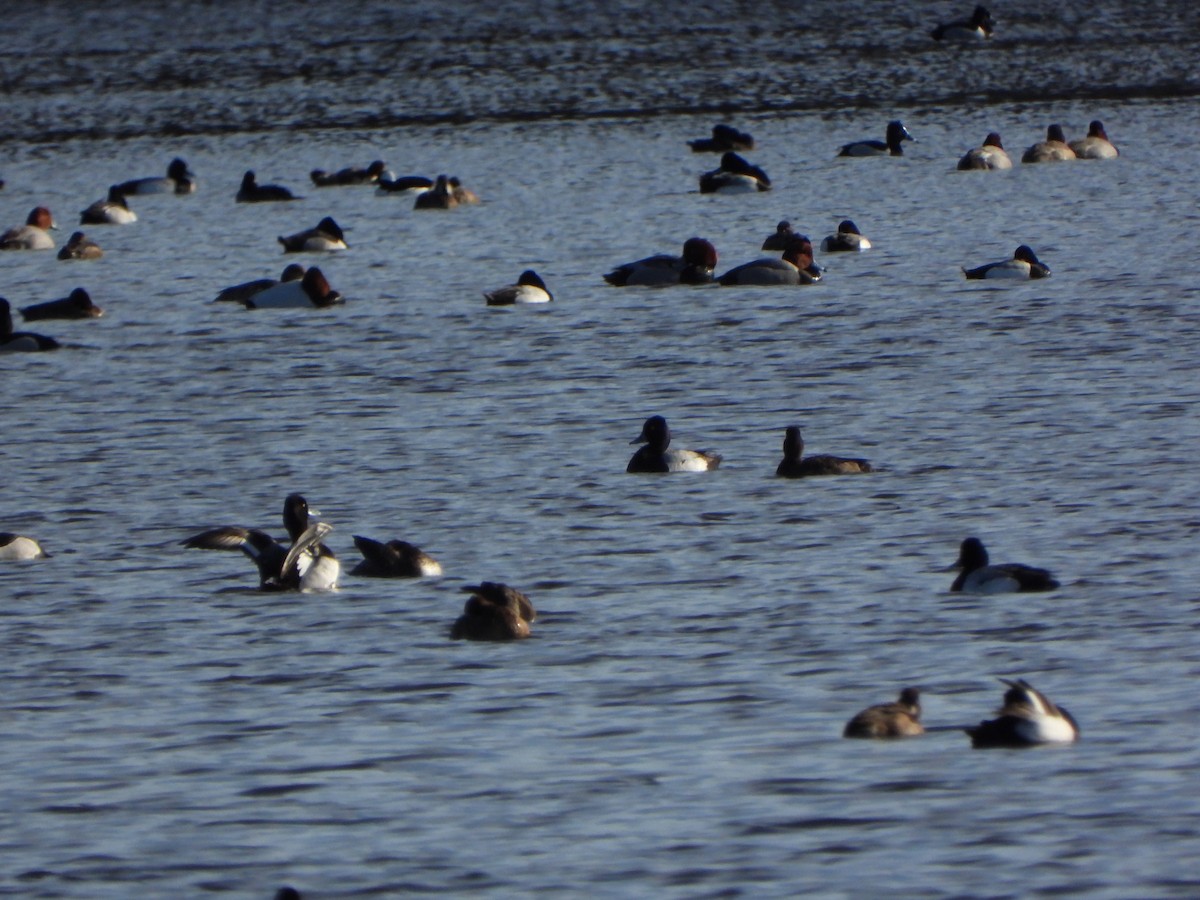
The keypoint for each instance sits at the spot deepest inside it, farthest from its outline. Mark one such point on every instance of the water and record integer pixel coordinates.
(673, 727)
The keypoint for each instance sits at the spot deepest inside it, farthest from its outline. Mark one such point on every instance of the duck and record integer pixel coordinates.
(796, 266)
(303, 563)
(1027, 718)
(781, 238)
(253, 192)
(896, 135)
(14, 547)
(991, 155)
(440, 196)
(796, 465)
(694, 266)
(1053, 149)
(847, 239)
(734, 176)
(529, 289)
(1096, 145)
(79, 246)
(240, 293)
(33, 235)
(1024, 264)
(395, 559)
(349, 176)
(20, 341)
(311, 291)
(327, 236)
(889, 720)
(977, 28)
(655, 457)
(76, 305)
(463, 194)
(978, 577)
(407, 184)
(287, 892)
(494, 612)
(113, 210)
(178, 180)
(724, 138)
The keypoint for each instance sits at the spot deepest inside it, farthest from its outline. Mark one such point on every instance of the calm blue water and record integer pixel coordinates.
(672, 730)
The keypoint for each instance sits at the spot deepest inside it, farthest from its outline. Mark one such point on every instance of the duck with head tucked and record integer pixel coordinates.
(990, 155)
(20, 341)
(889, 720)
(734, 176)
(350, 175)
(1027, 718)
(18, 547)
(80, 246)
(394, 559)
(33, 235)
(253, 192)
(977, 575)
(178, 180)
(892, 146)
(310, 291)
(848, 239)
(326, 236)
(796, 465)
(796, 266)
(112, 210)
(1096, 145)
(241, 293)
(655, 457)
(694, 266)
(77, 305)
(529, 289)
(977, 28)
(494, 612)
(1023, 265)
(779, 240)
(1053, 149)
(724, 138)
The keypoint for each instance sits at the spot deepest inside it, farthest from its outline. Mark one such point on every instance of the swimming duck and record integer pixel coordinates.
(796, 465)
(847, 239)
(287, 892)
(19, 547)
(724, 137)
(781, 238)
(241, 293)
(33, 235)
(1053, 149)
(896, 135)
(113, 210)
(395, 559)
(80, 247)
(977, 28)
(408, 184)
(655, 457)
(1024, 264)
(350, 175)
(253, 192)
(977, 576)
(179, 180)
(326, 236)
(796, 266)
(463, 194)
(20, 341)
(1028, 717)
(695, 266)
(494, 612)
(440, 196)
(734, 176)
(77, 305)
(303, 563)
(1096, 145)
(889, 720)
(529, 289)
(311, 291)
(989, 156)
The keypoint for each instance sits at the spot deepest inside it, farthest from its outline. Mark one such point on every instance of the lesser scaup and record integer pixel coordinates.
(253, 192)
(311, 291)
(796, 266)
(977, 28)
(494, 612)
(20, 341)
(1028, 717)
(796, 465)
(694, 266)
(179, 180)
(781, 238)
(847, 239)
(79, 246)
(889, 720)
(656, 458)
(896, 135)
(326, 236)
(1053, 149)
(977, 576)
(33, 235)
(15, 547)
(241, 293)
(112, 210)
(735, 175)
(1096, 145)
(1024, 264)
(349, 175)
(529, 289)
(724, 137)
(77, 305)
(991, 155)
(395, 559)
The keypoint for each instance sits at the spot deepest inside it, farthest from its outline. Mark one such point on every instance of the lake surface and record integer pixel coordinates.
(673, 728)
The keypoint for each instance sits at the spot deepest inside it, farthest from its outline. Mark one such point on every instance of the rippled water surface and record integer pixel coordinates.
(673, 729)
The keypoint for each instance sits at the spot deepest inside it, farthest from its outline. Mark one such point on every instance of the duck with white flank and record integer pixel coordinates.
(977, 28)
(1096, 145)
(326, 236)
(112, 210)
(18, 547)
(1024, 264)
(889, 720)
(311, 291)
(33, 235)
(796, 266)
(1053, 149)
(694, 266)
(656, 457)
(395, 559)
(796, 465)
(896, 135)
(241, 293)
(1027, 718)
(494, 612)
(178, 180)
(848, 239)
(977, 576)
(734, 176)
(529, 289)
(991, 155)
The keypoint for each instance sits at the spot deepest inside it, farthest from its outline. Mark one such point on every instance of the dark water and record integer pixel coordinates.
(673, 727)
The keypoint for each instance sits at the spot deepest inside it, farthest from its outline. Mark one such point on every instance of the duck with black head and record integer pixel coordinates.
(796, 465)
(1027, 718)
(20, 341)
(494, 612)
(657, 457)
(976, 574)
(796, 266)
(893, 145)
(989, 156)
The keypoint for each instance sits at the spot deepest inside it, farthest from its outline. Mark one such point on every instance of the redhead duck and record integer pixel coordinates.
(781, 238)
(796, 465)
(80, 247)
(77, 305)
(1053, 149)
(529, 289)
(33, 235)
(989, 156)
(977, 28)
(1028, 717)
(240, 293)
(1096, 145)
(311, 291)
(440, 196)
(695, 266)
(724, 138)
(494, 612)
(304, 563)
(796, 266)
(326, 236)
(734, 176)
(19, 547)
(1024, 264)
(978, 577)
(847, 239)
(113, 210)
(253, 192)
(20, 341)
(348, 176)
(889, 720)
(655, 457)
(896, 135)
(408, 184)
(179, 180)
(395, 559)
